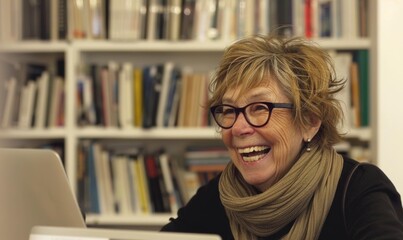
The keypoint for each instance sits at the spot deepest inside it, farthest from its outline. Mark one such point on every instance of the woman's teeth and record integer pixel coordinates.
(255, 153)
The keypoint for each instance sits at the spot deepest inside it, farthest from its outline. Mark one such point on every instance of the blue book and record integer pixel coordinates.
(93, 186)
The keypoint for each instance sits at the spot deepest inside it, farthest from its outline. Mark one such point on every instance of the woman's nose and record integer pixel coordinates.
(241, 127)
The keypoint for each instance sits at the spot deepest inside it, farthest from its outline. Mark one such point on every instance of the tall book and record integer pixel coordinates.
(362, 59)
(343, 63)
(138, 97)
(10, 102)
(163, 99)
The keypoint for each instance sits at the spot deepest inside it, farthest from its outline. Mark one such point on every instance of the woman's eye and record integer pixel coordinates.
(258, 108)
(228, 111)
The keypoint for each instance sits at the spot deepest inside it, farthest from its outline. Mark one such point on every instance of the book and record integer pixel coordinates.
(154, 184)
(56, 102)
(174, 9)
(143, 185)
(9, 105)
(93, 198)
(27, 105)
(187, 19)
(342, 62)
(362, 59)
(168, 182)
(138, 97)
(42, 104)
(163, 99)
(355, 93)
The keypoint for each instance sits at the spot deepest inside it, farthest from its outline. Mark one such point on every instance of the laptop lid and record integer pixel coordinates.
(34, 191)
(66, 233)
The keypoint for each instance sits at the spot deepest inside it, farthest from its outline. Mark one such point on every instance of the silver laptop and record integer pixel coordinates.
(34, 191)
(62, 233)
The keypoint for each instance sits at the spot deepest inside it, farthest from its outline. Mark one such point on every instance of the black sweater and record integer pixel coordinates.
(373, 209)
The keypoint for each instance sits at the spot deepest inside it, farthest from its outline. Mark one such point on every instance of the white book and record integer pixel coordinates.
(152, 19)
(250, 18)
(95, 19)
(166, 82)
(336, 18)
(23, 106)
(129, 94)
(108, 189)
(117, 183)
(10, 101)
(298, 17)
(42, 102)
(201, 20)
(88, 100)
(349, 18)
(100, 178)
(227, 25)
(122, 100)
(167, 177)
(342, 63)
(126, 198)
(31, 95)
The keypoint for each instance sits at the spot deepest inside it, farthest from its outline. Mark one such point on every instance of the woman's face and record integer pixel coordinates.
(262, 154)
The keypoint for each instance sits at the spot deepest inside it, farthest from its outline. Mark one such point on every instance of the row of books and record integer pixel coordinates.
(206, 162)
(219, 19)
(355, 97)
(31, 97)
(33, 20)
(329, 18)
(128, 181)
(129, 20)
(126, 96)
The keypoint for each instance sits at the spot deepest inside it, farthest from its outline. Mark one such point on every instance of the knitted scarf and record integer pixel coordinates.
(304, 194)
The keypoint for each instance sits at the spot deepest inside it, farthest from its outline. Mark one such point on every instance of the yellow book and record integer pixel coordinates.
(145, 201)
(138, 97)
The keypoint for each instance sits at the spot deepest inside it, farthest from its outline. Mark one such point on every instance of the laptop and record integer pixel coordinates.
(34, 191)
(66, 233)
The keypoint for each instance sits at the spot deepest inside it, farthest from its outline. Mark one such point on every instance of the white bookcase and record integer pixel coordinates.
(201, 56)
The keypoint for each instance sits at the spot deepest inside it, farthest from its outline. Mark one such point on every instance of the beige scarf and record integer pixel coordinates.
(304, 194)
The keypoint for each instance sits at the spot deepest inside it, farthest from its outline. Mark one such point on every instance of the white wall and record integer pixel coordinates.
(389, 90)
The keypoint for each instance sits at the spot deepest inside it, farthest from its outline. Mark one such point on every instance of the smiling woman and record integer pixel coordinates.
(274, 102)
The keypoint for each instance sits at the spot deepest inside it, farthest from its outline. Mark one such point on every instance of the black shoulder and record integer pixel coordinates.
(204, 213)
(373, 205)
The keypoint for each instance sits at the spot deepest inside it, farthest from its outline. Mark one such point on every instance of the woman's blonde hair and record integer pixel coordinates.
(304, 71)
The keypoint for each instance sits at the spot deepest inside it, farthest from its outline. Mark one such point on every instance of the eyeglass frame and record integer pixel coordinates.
(270, 106)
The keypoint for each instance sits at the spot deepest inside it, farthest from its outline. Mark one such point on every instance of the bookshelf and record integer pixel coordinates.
(202, 56)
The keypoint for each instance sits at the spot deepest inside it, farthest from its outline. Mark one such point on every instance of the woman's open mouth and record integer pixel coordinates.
(255, 153)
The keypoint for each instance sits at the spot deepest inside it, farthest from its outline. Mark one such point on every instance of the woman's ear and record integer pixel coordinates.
(313, 128)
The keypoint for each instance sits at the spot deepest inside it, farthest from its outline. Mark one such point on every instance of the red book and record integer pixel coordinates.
(308, 18)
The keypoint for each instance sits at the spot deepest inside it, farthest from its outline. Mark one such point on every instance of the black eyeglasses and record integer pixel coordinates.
(257, 114)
